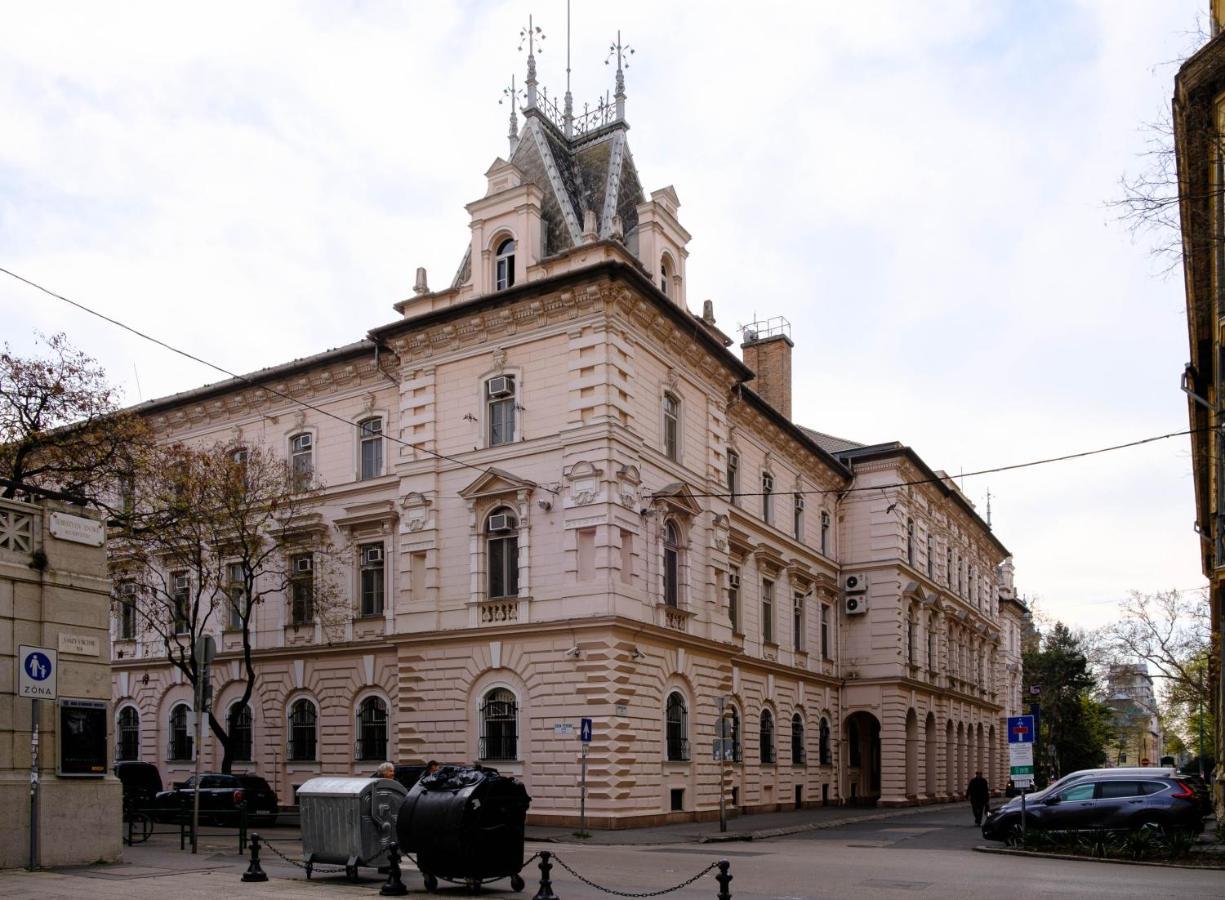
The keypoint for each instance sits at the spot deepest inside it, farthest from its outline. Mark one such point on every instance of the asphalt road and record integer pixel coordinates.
(925, 854)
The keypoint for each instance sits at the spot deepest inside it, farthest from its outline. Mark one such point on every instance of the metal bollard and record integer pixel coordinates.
(254, 871)
(724, 878)
(546, 886)
(394, 886)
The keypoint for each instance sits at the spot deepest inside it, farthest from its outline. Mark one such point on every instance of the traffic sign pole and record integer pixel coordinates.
(33, 784)
(584, 735)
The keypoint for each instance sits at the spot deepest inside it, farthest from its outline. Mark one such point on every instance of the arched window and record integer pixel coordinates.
(504, 265)
(302, 459)
(499, 719)
(180, 735)
(824, 749)
(733, 720)
(910, 659)
(129, 734)
(303, 736)
(767, 736)
(665, 274)
(500, 408)
(372, 729)
(672, 426)
(910, 542)
(767, 497)
(240, 732)
(370, 432)
(502, 553)
(799, 755)
(672, 565)
(677, 723)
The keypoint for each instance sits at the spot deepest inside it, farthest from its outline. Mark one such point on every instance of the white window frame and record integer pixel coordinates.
(375, 438)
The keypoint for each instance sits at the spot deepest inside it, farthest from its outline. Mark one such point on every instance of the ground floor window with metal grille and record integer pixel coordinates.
(302, 735)
(798, 756)
(767, 736)
(240, 733)
(372, 729)
(499, 719)
(180, 735)
(129, 734)
(677, 727)
(827, 755)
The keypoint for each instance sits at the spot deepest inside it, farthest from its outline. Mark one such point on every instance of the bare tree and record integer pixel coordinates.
(212, 536)
(61, 426)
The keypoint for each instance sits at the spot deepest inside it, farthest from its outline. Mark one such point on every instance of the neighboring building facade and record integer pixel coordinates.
(571, 504)
(1199, 123)
(1137, 724)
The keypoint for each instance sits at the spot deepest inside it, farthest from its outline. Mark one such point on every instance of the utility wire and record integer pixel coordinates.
(725, 495)
(243, 378)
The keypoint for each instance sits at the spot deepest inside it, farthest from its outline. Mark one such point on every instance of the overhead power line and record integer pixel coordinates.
(726, 495)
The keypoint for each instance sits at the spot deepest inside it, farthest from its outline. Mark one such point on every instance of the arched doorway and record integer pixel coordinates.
(862, 736)
(959, 785)
(912, 755)
(980, 755)
(950, 760)
(929, 755)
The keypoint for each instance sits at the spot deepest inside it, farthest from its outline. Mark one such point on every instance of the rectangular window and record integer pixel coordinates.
(797, 513)
(180, 598)
(767, 611)
(825, 520)
(371, 449)
(767, 497)
(910, 542)
(733, 475)
(627, 557)
(948, 568)
(302, 459)
(931, 557)
(797, 621)
(672, 413)
(127, 611)
(585, 546)
(733, 596)
(500, 409)
(302, 588)
(825, 631)
(372, 577)
(236, 590)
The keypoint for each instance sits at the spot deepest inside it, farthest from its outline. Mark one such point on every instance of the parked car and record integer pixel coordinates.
(221, 798)
(141, 784)
(1113, 802)
(1081, 775)
(260, 798)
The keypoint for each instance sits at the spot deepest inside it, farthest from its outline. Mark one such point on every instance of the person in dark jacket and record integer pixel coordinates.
(979, 793)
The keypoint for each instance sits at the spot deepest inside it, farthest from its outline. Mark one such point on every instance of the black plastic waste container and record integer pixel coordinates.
(465, 825)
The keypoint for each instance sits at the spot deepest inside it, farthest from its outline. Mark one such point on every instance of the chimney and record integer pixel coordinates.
(767, 351)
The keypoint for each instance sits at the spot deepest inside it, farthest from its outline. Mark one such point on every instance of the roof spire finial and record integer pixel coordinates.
(620, 51)
(512, 94)
(529, 36)
(569, 104)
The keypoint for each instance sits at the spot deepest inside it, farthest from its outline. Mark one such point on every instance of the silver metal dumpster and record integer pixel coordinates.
(348, 821)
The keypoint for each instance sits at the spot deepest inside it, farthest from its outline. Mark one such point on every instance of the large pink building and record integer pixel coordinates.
(568, 498)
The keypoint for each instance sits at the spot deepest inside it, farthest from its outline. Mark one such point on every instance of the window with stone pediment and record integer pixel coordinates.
(733, 596)
(672, 425)
(502, 553)
(302, 458)
(673, 552)
(501, 406)
(767, 610)
(370, 448)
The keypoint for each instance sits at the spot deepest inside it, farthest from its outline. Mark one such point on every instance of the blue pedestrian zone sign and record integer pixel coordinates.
(36, 673)
(1020, 729)
(584, 731)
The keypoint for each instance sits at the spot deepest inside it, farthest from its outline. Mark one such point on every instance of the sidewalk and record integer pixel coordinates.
(739, 828)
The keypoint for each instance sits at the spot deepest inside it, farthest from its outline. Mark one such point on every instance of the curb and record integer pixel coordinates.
(1008, 851)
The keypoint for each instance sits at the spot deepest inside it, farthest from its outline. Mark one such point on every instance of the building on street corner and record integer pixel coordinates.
(566, 497)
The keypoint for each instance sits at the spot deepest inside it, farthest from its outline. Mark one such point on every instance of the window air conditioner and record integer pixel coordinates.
(500, 522)
(500, 386)
(302, 564)
(856, 604)
(374, 554)
(854, 583)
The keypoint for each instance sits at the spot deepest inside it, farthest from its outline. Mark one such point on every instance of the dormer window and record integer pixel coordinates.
(504, 265)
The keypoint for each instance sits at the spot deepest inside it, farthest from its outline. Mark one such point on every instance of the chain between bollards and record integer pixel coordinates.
(255, 871)
(394, 887)
(725, 879)
(546, 886)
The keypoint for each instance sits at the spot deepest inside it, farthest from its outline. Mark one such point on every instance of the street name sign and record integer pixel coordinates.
(37, 671)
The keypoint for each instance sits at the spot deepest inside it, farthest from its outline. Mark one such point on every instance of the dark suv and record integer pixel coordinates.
(141, 784)
(221, 798)
(1116, 803)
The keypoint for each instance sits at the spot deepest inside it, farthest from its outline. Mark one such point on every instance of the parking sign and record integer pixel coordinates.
(36, 676)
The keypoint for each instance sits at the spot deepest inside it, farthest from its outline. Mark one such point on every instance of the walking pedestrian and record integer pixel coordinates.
(979, 793)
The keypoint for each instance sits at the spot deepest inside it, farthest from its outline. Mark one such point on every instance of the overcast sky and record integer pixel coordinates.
(920, 188)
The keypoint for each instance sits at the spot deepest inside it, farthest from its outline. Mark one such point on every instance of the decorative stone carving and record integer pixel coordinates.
(672, 380)
(416, 510)
(499, 359)
(629, 484)
(584, 481)
(719, 532)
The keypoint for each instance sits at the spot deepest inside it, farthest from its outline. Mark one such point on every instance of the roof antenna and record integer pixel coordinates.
(988, 507)
(569, 104)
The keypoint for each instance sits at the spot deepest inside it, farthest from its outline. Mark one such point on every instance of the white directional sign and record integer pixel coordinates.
(36, 673)
(1021, 750)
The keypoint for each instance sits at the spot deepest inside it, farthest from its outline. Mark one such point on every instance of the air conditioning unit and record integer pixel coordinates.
(501, 522)
(302, 564)
(856, 604)
(854, 583)
(373, 554)
(501, 386)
